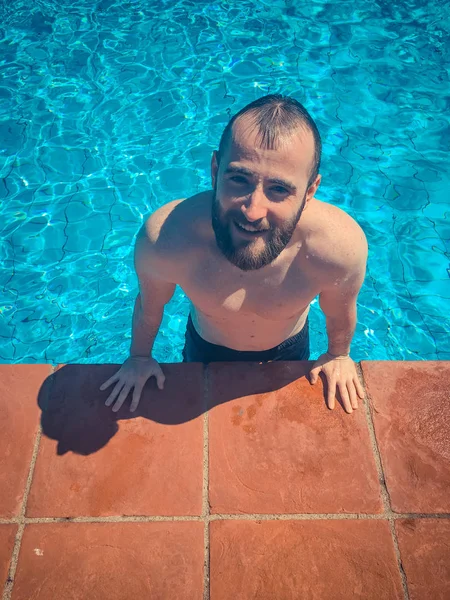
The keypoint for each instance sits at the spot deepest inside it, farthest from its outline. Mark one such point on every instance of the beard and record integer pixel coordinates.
(250, 255)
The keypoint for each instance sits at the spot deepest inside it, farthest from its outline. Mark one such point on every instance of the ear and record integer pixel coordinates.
(313, 188)
(214, 168)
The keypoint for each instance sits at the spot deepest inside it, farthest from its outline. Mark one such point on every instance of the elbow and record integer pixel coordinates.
(345, 312)
(138, 302)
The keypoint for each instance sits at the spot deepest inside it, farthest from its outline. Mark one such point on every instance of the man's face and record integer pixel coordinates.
(261, 191)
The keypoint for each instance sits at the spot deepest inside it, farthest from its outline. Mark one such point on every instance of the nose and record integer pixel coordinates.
(255, 207)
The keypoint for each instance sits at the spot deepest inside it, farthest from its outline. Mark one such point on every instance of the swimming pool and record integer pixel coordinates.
(111, 109)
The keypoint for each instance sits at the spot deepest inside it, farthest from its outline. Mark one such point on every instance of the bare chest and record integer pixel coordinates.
(223, 294)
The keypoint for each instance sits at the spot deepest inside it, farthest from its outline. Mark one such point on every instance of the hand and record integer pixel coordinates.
(340, 372)
(132, 374)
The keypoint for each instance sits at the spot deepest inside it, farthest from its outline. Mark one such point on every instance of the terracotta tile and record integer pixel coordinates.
(425, 552)
(20, 386)
(7, 538)
(320, 559)
(110, 561)
(276, 448)
(145, 463)
(411, 413)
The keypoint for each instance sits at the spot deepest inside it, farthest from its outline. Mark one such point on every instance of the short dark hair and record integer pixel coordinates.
(276, 116)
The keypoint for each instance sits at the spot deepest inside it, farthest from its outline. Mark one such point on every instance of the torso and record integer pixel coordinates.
(251, 310)
(247, 311)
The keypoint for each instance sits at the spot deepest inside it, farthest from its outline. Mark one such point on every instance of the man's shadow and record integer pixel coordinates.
(74, 412)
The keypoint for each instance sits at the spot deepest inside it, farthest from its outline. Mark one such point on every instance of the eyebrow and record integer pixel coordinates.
(244, 171)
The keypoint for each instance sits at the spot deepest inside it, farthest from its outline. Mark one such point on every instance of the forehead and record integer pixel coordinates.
(293, 153)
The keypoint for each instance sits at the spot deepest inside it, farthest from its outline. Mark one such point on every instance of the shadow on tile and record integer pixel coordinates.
(229, 381)
(74, 412)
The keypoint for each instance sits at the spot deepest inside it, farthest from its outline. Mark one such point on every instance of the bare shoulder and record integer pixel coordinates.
(334, 238)
(170, 234)
(171, 226)
(156, 227)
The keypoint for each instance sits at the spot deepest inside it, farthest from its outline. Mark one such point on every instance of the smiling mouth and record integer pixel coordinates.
(249, 229)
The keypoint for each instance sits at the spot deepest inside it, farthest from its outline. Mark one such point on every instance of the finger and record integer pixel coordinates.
(114, 393)
(109, 382)
(313, 375)
(331, 393)
(359, 388)
(121, 399)
(345, 399)
(136, 397)
(160, 379)
(352, 393)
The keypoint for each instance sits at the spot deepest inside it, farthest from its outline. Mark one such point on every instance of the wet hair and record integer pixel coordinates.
(276, 116)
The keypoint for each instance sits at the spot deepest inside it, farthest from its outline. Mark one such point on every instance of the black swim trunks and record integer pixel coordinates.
(196, 349)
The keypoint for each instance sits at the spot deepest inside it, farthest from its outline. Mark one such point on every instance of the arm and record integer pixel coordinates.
(338, 302)
(338, 297)
(154, 293)
(155, 290)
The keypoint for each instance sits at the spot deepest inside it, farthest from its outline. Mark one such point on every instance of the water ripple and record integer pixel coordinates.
(110, 109)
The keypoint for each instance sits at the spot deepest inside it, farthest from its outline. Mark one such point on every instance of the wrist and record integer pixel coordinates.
(338, 356)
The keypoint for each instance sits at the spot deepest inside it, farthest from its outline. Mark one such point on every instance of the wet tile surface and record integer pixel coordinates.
(425, 550)
(411, 413)
(111, 560)
(93, 462)
(20, 386)
(7, 538)
(318, 559)
(274, 446)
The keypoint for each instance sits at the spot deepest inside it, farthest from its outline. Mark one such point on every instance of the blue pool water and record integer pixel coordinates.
(110, 109)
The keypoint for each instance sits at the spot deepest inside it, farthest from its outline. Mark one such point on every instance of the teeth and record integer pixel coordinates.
(247, 228)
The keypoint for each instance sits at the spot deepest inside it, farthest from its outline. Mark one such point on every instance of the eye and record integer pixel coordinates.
(279, 190)
(238, 179)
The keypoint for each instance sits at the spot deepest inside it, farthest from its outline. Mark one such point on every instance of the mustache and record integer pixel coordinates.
(236, 216)
(241, 220)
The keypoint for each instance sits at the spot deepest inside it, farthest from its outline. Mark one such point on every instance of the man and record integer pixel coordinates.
(251, 254)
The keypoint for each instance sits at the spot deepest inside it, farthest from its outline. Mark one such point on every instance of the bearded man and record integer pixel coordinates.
(251, 254)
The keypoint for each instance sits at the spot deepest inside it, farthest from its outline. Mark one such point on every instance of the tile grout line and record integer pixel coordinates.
(389, 513)
(206, 506)
(21, 520)
(323, 516)
(7, 591)
(222, 516)
(375, 450)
